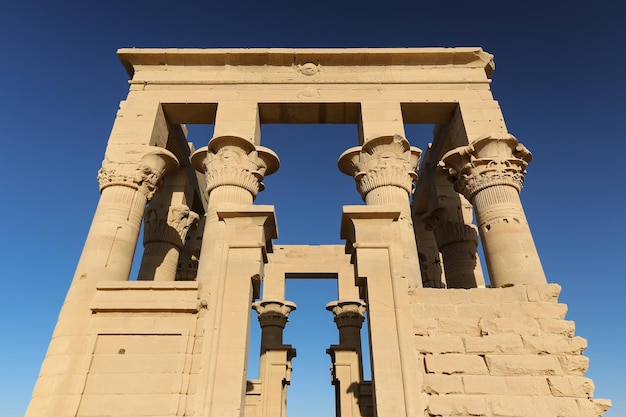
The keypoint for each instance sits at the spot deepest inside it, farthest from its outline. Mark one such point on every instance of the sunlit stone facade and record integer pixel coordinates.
(445, 338)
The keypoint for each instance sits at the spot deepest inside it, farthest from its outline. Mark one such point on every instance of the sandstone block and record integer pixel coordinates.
(499, 343)
(456, 326)
(443, 384)
(439, 344)
(424, 326)
(557, 407)
(527, 385)
(593, 408)
(571, 386)
(514, 294)
(511, 406)
(456, 364)
(554, 344)
(510, 365)
(438, 311)
(440, 296)
(574, 364)
(456, 405)
(556, 326)
(485, 384)
(502, 325)
(476, 310)
(543, 292)
(539, 309)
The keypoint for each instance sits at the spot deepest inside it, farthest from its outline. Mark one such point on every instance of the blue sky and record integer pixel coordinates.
(559, 79)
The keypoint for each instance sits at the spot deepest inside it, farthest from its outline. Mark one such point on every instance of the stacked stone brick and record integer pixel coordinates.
(501, 352)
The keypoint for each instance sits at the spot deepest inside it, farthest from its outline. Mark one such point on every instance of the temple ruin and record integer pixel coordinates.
(173, 340)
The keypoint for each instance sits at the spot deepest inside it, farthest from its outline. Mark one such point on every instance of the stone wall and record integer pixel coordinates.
(501, 352)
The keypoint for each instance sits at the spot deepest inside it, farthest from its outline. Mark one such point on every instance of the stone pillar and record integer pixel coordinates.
(346, 360)
(237, 237)
(372, 235)
(275, 364)
(164, 236)
(125, 190)
(384, 171)
(489, 172)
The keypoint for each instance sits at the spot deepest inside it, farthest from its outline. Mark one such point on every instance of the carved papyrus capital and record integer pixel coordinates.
(144, 176)
(381, 162)
(489, 161)
(168, 224)
(231, 160)
(347, 312)
(273, 312)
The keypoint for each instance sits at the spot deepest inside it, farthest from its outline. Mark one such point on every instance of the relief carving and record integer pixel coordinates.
(168, 224)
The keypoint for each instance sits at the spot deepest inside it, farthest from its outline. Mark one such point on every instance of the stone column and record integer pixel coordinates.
(384, 171)
(348, 316)
(489, 172)
(273, 316)
(163, 236)
(275, 364)
(125, 190)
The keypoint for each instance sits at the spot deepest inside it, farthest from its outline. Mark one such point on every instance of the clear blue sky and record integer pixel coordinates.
(559, 79)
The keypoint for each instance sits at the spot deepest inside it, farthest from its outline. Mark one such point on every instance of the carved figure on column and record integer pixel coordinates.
(383, 168)
(489, 172)
(234, 163)
(168, 224)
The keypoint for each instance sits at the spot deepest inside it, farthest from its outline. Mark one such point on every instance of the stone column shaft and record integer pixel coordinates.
(489, 173)
(164, 236)
(125, 190)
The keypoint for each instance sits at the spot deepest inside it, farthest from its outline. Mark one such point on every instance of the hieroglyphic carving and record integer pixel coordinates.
(489, 161)
(381, 162)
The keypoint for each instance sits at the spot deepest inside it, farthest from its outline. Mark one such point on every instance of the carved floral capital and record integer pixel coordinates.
(231, 160)
(144, 176)
(489, 161)
(347, 312)
(168, 224)
(273, 312)
(381, 162)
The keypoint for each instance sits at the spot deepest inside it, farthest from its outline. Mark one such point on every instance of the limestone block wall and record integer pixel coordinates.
(499, 352)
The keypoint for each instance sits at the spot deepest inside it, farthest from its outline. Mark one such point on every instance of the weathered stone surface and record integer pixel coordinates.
(509, 365)
(456, 364)
(175, 340)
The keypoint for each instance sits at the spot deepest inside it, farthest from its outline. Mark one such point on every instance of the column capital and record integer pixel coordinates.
(234, 161)
(347, 312)
(144, 176)
(380, 162)
(491, 160)
(168, 224)
(273, 312)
